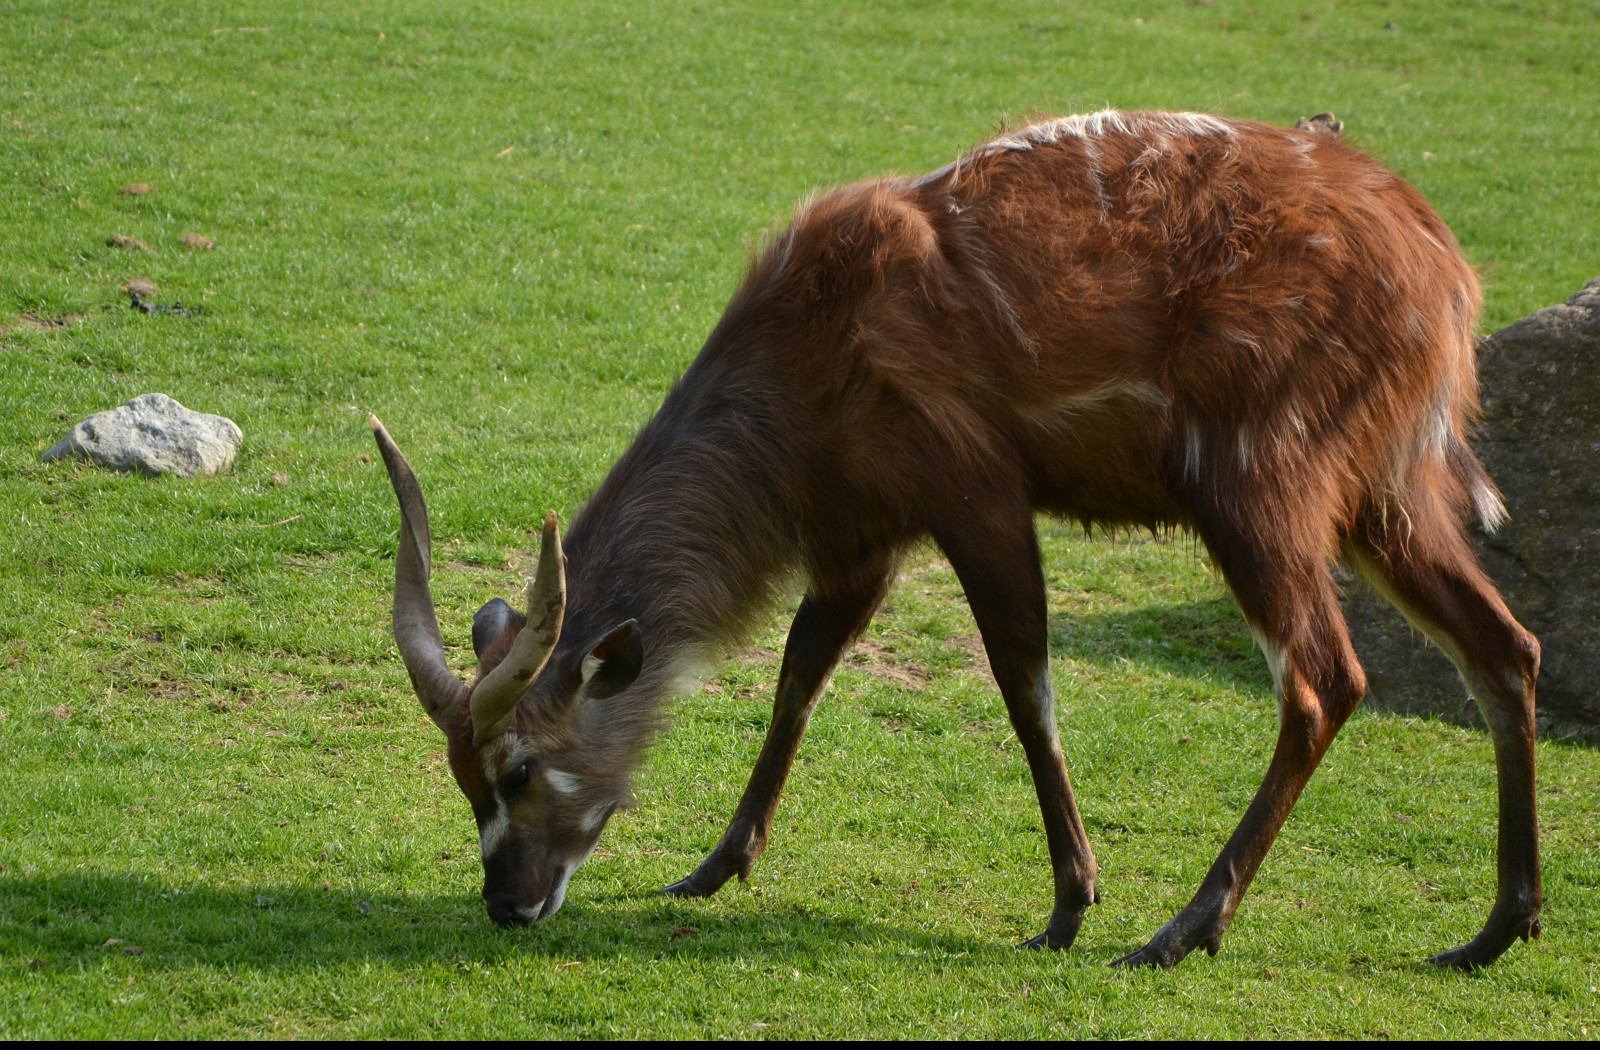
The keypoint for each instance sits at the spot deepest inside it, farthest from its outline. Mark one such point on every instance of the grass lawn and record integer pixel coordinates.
(505, 227)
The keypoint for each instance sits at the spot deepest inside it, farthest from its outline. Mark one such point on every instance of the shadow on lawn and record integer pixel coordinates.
(64, 922)
(1208, 640)
(1204, 639)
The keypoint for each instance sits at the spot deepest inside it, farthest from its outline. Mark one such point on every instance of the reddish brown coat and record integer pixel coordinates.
(1157, 319)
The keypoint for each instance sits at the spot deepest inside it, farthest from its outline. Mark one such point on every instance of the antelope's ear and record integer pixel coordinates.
(492, 623)
(613, 663)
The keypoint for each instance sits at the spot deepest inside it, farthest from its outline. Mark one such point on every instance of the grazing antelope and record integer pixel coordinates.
(1147, 319)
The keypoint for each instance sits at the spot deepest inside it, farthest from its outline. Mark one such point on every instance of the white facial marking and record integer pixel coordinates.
(503, 753)
(494, 832)
(565, 783)
(596, 817)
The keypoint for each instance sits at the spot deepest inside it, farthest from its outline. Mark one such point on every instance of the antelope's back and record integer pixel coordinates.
(1126, 307)
(1217, 300)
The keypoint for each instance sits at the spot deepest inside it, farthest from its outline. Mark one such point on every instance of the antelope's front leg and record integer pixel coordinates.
(824, 624)
(996, 557)
(1071, 859)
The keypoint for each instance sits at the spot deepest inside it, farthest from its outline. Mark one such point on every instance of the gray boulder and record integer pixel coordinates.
(1540, 441)
(156, 435)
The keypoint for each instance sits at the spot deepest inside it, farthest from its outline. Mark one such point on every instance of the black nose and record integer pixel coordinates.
(502, 910)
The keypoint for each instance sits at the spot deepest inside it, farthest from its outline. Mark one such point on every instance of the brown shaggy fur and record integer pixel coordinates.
(1150, 319)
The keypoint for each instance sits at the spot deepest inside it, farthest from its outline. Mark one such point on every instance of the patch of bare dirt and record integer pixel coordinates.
(755, 656)
(122, 240)
(467, 568)
(137, 189)
(198, 242)
(35, 323)
(881, 661)
(971, 646)
(202, 589)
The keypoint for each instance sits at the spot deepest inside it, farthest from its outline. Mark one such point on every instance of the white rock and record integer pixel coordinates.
(156, 435)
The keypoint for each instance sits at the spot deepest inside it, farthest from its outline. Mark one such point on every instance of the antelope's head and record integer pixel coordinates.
(513, 733)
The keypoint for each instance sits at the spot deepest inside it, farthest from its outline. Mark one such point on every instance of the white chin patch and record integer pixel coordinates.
(558, 892)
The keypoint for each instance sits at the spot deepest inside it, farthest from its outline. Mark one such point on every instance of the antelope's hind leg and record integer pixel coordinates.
(995, 554)
(1424, 566)
(829, 619)
(1287, 594)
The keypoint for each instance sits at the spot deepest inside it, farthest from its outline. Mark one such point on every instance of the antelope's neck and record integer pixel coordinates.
(692, 528)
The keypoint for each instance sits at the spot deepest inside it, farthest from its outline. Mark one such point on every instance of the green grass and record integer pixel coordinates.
(506, 229)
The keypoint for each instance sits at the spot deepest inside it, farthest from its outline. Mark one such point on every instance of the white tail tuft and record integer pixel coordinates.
(1491, 509)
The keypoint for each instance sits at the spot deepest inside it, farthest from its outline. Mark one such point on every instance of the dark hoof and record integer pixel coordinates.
(1174, 941)
(687, 887)
(1462, 958)
(1146, 956)
(705, 880)
(1059, 935)
(1488, 946)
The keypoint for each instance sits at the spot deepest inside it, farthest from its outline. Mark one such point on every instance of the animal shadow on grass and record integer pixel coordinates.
(1208, 640)
(1204, 639)
(66, 922)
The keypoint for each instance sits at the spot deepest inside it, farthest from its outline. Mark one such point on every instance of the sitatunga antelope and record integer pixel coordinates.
(1144, 319)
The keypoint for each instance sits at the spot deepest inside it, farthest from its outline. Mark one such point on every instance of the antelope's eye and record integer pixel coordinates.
(517, 777)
